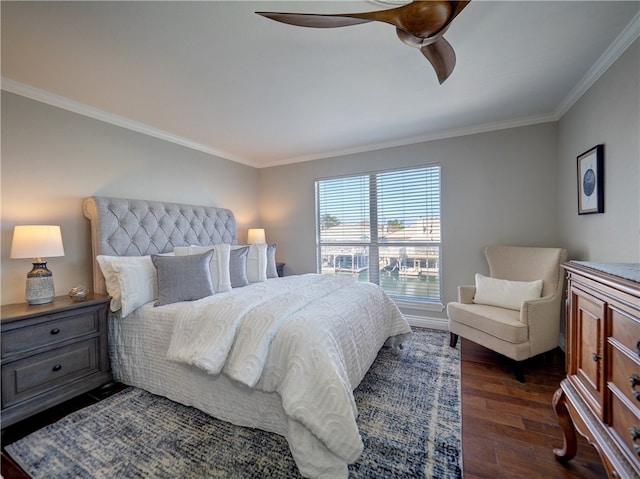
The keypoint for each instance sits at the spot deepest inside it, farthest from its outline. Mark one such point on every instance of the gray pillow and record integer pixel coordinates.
(272, 270)
(238, 267)
(183, 278)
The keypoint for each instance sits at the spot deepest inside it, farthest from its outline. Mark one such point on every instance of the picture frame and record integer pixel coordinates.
(591, 181)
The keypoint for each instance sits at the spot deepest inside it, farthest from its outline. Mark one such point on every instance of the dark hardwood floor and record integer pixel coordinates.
(508, 428)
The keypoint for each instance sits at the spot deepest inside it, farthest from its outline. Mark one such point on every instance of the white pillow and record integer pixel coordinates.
(219, 265)
(111, 281)
(504, 293)
(131, 281)
(272, 267)
(256, 262)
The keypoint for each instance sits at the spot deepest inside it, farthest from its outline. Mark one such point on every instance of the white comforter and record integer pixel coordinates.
(311, 339)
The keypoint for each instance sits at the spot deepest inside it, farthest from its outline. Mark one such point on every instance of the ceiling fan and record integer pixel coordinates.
(420, 24)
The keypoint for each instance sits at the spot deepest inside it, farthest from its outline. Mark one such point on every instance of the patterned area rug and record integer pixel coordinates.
(409, 405)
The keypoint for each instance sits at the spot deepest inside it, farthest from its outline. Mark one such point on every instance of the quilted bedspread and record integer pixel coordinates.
(311, 339)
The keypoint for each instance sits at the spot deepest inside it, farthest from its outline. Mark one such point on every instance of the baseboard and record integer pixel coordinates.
(562, 343)
(426, 322)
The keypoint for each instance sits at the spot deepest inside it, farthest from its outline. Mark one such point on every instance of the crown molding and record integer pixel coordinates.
(615, 50)
(441, 135)
(610, 55)
(64, 103)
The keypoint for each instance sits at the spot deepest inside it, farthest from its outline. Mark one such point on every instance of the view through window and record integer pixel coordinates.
(383, 227)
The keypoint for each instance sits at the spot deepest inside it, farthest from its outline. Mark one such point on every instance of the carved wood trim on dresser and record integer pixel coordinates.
(600, 397)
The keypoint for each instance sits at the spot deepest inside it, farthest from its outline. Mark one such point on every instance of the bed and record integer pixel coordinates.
(279, 354)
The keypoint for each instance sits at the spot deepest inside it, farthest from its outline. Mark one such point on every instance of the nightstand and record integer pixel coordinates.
(52, 353)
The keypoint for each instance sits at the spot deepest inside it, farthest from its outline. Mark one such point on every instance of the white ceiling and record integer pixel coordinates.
(218, 78)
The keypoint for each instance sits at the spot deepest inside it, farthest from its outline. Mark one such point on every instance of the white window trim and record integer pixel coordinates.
(414, 304)
(418, 305)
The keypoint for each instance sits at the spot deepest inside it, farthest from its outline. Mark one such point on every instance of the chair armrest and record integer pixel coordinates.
(538, 307)
(466, 294)
(542, 315)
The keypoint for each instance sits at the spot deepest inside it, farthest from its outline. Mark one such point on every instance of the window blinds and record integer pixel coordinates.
(379, 223)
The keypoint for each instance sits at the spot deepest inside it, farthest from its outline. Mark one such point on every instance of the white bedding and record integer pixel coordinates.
(289, 362)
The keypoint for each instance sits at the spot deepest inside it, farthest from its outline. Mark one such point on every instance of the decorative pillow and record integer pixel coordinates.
(504, 293)
(272, 270)
(111, 281)
(219, 265)
(238, 267)
(183, 278)
(256, 262)
(131, 281)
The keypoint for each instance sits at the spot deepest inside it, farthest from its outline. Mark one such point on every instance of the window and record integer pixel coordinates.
(384, 228)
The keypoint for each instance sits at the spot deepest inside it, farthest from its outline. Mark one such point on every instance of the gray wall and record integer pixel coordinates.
(497, 187)
(52, 159)
(515, 186)
(609, 113)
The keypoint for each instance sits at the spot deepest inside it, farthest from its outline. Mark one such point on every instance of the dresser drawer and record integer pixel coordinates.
(623, 422)
(603, 323)
(626, 330)
(56, 329)
(624, 372)
(43, 372)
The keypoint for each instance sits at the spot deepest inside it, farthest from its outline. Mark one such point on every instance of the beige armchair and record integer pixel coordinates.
(517, 334)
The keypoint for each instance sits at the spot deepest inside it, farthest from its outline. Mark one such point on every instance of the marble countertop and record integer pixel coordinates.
(630, 271)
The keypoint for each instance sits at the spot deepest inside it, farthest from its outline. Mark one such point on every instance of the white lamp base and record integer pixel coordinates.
(40, 288)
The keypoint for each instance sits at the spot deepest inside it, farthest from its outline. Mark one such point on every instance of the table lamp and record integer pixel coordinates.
(256, 236)
(38, 241)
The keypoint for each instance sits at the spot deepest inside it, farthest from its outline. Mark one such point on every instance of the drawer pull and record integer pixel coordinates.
(596, 357)
(635, 435)
(55, 331)
(634, 381)
(57, 367)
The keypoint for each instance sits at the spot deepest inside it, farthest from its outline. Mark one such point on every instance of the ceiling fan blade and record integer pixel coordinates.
(313, 20)
(420, 24)
(421, 18)
(441, 55)
(458, 7)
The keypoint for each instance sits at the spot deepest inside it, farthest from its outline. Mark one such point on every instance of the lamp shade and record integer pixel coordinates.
(36, 241)
(256, 236)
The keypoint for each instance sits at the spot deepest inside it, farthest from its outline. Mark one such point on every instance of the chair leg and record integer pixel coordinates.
(518, 370)
(548, 357)
(453, 339)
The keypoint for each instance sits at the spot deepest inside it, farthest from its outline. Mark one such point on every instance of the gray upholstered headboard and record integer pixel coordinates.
(122, 227)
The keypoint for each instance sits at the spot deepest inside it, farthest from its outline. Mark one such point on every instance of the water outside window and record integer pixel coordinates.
(385, 228)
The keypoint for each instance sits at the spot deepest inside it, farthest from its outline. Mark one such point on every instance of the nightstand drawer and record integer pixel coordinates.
(51, 352)
(43, 372)
(56, 329)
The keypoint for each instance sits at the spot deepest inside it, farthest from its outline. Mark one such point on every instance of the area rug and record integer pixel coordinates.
(409, 419)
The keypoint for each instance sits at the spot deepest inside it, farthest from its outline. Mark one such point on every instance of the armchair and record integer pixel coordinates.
(517, 334)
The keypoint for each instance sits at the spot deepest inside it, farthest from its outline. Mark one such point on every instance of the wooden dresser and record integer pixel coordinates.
(600, 397)
(51, 353)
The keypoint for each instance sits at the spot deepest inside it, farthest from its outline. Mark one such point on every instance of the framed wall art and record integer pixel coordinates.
(591, 181)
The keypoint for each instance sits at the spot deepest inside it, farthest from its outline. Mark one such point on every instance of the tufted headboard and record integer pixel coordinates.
(122, 227)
